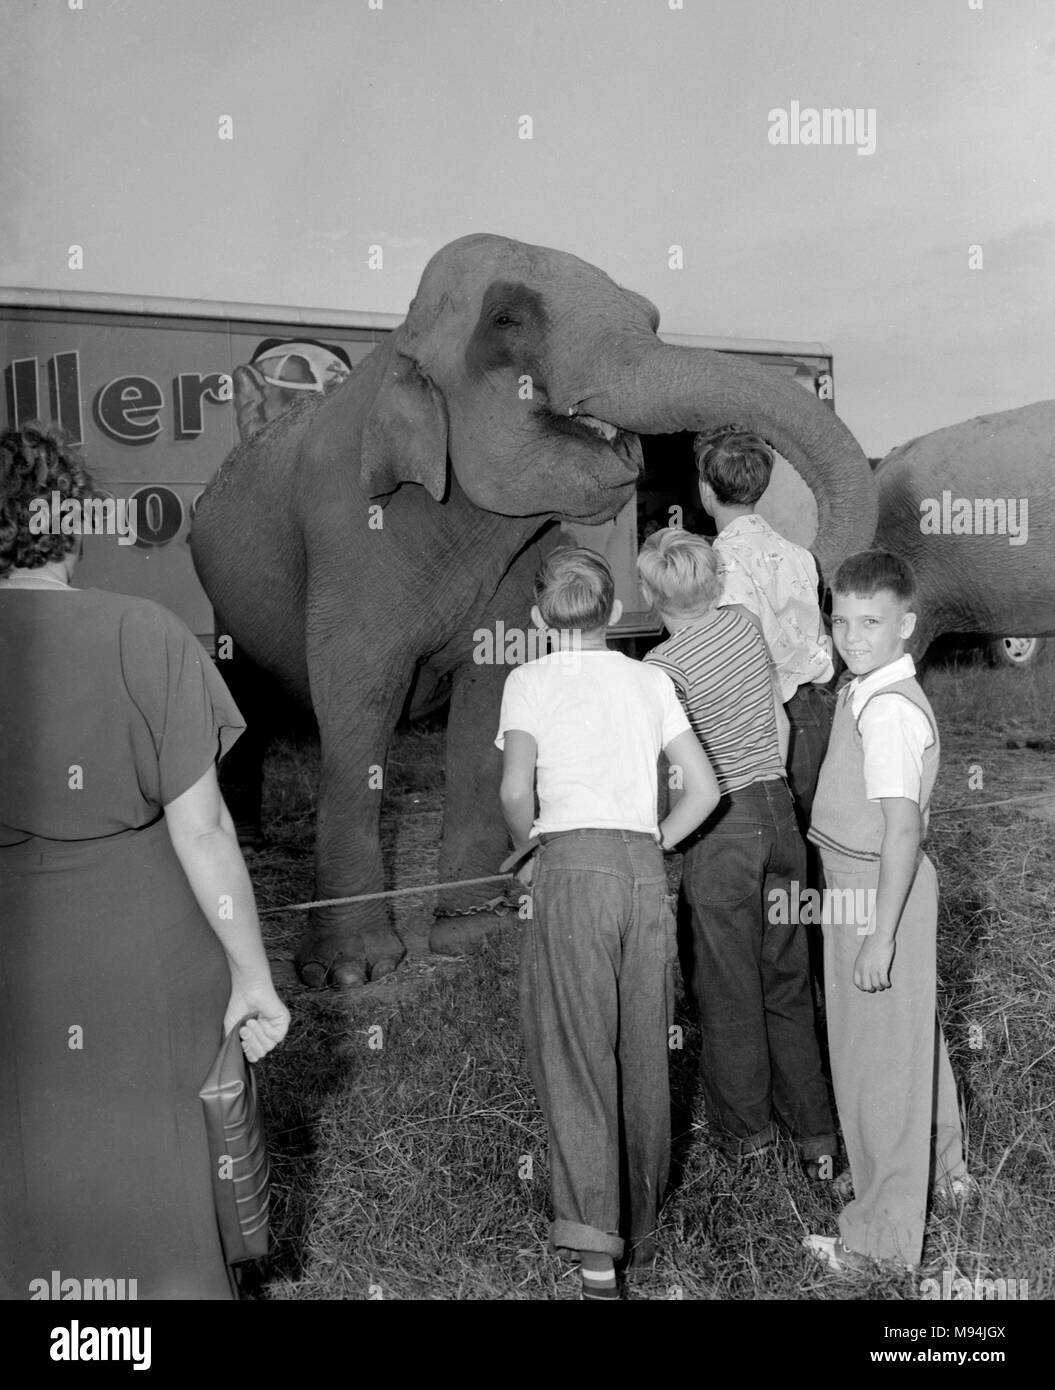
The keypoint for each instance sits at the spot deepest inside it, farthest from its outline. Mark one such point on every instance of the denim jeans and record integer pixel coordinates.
(809, 713)
(596, 998)
(759, 1056)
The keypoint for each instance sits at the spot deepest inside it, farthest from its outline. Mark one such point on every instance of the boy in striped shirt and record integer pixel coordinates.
(759, 1058)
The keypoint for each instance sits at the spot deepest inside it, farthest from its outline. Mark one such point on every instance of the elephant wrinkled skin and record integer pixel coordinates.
(975, 575)
(362, 537)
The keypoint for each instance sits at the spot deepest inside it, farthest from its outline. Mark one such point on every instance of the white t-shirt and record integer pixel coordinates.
(600, 721)
(894, 733)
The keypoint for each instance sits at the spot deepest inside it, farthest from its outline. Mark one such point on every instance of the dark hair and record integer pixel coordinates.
(35, 461)
(736, 463)
(864, 575)
(574, 589)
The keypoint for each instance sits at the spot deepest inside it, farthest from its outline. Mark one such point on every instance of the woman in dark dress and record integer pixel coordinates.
(129, 942)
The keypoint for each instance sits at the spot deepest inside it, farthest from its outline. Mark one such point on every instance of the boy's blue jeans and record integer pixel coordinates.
(596, 998)
(809, 713)
(759, 1053)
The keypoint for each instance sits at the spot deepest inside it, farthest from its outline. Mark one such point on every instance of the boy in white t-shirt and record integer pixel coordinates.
(588, 724)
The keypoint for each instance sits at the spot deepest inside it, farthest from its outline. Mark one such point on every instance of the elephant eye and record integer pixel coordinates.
(504, 320)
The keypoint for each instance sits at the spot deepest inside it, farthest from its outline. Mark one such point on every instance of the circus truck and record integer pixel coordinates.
(158, 391)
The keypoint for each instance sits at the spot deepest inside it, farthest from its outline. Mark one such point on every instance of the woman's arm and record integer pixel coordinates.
(204, 839)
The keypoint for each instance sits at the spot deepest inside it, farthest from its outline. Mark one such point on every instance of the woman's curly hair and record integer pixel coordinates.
(35, 461)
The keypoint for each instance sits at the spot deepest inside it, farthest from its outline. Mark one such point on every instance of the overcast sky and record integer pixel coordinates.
(399, 126)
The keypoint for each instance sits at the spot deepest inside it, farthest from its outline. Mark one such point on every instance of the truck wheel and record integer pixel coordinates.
(1016, 652)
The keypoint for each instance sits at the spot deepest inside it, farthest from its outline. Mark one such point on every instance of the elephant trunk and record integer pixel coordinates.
(670, 389)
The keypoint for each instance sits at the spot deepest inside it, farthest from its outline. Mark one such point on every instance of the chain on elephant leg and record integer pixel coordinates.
(458, 932)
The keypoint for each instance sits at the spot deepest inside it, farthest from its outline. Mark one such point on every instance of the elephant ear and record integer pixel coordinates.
(250, 400)
(405, 434)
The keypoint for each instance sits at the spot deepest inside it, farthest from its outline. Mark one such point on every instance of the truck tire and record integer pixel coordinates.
(1016, 653)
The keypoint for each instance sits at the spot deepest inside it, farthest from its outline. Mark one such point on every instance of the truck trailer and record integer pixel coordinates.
(157, 392)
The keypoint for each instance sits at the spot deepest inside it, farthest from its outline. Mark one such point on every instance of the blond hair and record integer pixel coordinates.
(574, 589)
(679, 572)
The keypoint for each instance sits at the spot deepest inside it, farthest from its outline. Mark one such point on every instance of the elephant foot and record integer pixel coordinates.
(346, 974)
(384, 952)
(339, 974)
(314, 973)
(351, 974)
(460, 936)
(348, 961)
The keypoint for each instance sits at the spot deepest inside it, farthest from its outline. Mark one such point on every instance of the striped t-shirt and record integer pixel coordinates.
(720, 667)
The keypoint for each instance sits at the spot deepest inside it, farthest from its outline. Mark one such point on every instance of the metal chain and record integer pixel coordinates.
(496, 905)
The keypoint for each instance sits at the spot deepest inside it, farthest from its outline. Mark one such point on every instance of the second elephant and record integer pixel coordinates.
(970, 507)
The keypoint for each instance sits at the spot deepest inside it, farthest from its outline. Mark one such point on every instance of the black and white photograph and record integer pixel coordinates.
(527, 666)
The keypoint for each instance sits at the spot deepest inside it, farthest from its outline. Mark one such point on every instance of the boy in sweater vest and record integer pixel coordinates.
(894, 1088)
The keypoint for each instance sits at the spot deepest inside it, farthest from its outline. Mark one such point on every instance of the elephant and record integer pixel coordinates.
(951, 503)
(354, 545)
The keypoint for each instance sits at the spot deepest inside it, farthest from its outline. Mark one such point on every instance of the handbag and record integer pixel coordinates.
(238, 1149)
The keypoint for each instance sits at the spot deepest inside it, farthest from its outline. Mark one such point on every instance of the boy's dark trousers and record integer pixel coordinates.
(759, 1053)
(596, 997)
(810, 711)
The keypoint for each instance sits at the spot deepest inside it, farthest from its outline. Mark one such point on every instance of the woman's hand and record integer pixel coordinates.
(259, 1035)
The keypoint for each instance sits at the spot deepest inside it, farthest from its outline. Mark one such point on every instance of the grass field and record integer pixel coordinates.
(409, 1152)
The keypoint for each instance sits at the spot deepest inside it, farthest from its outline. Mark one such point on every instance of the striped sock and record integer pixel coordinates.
(598, 1275)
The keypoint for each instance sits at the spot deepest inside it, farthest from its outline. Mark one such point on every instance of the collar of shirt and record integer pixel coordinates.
(742, 524)
(862, 688)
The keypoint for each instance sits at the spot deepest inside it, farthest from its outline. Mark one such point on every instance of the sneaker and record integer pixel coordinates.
(951, 1193)
(834, 1255)
(843, 1186)
(820, 1169)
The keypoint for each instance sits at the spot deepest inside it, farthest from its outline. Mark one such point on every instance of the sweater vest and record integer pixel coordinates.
(844, 820)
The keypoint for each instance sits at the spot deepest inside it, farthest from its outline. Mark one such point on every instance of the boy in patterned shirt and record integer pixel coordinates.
(773, 582)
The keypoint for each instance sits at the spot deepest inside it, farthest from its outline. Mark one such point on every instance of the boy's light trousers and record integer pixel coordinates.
(894, 1088)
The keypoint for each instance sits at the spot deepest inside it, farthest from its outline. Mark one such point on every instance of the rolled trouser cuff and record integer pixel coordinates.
(571, 1235)
(826, 1146)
